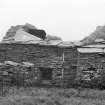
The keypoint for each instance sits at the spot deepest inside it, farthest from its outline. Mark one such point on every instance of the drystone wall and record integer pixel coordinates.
(62, 61)
(70, 66)
(40, 56)
(91, 69)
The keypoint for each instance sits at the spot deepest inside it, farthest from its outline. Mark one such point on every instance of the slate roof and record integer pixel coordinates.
(98, 47)
(90, 50)
(95, 46)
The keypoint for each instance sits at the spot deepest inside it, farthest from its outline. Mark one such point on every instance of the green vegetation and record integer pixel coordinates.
(53, 96)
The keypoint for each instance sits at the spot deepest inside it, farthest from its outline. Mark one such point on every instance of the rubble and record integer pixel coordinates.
(99, 33)
(28, 28)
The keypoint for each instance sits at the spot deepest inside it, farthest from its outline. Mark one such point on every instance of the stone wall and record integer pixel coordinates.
(62, 61)
(94, 59)
(70, 66)
(90, 68)
(41, 56)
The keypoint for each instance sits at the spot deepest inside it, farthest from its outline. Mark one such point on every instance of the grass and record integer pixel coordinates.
(53, 96)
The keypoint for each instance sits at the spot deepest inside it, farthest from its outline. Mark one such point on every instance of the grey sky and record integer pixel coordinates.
(69, 19)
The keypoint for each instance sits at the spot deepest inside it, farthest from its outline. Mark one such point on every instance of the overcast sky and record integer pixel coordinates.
(69, 19)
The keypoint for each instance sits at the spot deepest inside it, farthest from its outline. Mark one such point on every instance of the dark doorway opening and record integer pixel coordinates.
(45, 73)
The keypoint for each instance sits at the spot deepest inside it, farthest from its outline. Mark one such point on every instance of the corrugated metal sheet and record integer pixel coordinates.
(99, 40)
(58, 43)
(45, 43)
(95, 46)
(51, 42)
(77, 43)
(54, 42)
(90, 50)
(66, 44)
(32, 42)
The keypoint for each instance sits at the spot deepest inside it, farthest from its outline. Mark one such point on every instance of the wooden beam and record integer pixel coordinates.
(63, 59)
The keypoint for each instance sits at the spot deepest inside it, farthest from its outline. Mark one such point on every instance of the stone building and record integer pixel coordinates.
(91, 61)
(55, 61)
(53, 64)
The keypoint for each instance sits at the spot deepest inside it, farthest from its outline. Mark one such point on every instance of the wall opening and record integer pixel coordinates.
(45, 73)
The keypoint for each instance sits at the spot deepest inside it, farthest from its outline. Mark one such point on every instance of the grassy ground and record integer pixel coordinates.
(53, 96)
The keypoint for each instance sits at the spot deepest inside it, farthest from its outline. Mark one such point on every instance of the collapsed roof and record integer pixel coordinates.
(96, 36)
(36, 32)
(97, 47)
(29, 34)
(28, 29)
(95, 42)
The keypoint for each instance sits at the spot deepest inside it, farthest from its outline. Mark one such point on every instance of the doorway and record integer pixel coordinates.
(45, 73)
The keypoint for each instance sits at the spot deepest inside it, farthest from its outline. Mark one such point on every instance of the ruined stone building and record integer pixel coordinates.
(54, 62)
(91, 58)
